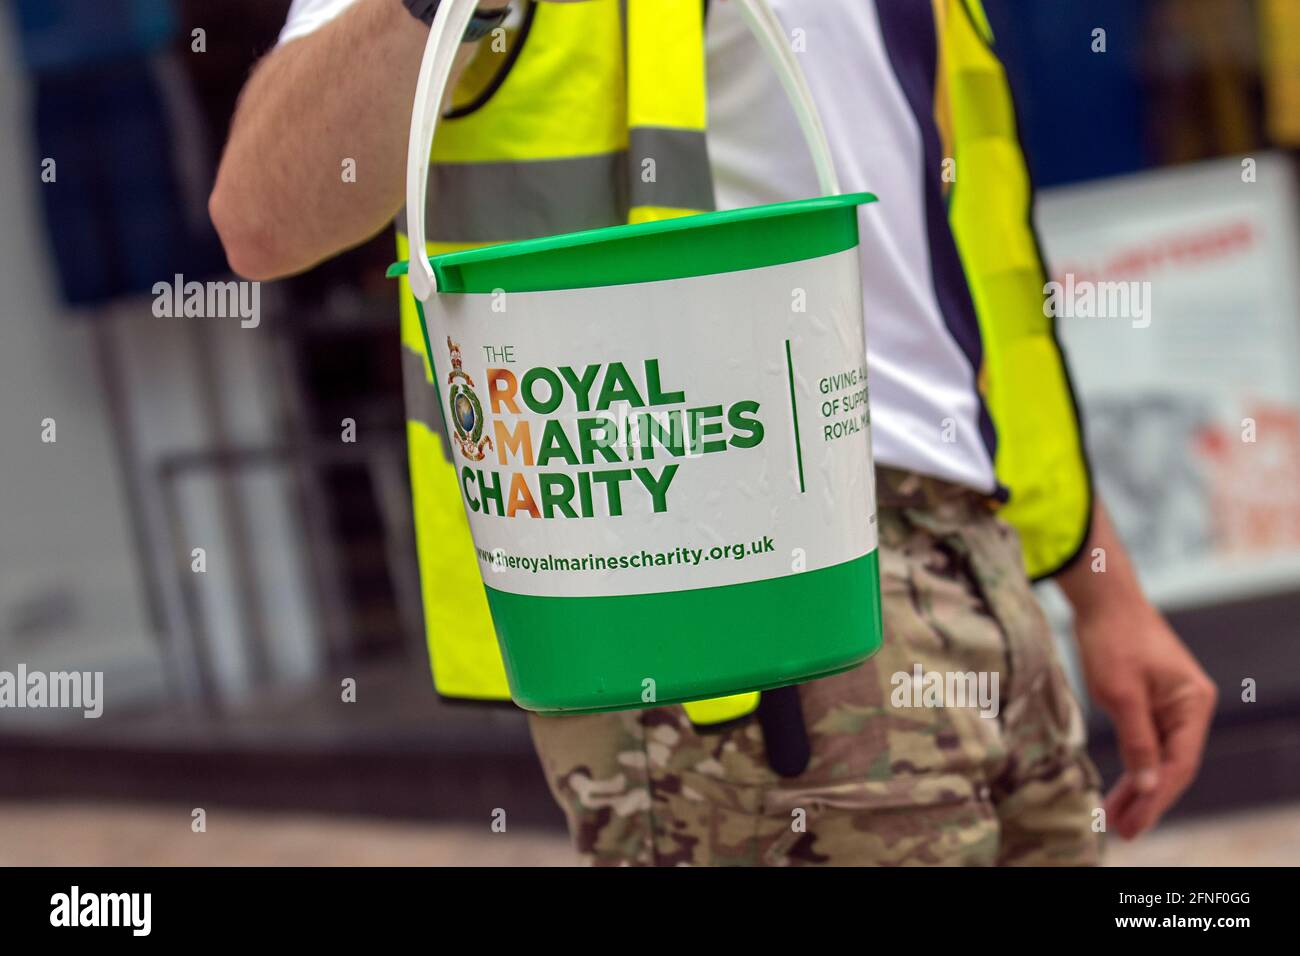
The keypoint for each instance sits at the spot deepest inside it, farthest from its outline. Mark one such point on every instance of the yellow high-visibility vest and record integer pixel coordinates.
(1025, 384)
(594, 114)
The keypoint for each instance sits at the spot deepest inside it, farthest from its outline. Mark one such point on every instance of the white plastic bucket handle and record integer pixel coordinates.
(449, 25)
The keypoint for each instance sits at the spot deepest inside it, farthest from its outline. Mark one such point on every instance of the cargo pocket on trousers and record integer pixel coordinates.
(704, 821)
(918, 820)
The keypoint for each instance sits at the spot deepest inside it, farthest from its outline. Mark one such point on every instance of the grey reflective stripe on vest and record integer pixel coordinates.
(500, 202)
(422, 404)
(682, 178)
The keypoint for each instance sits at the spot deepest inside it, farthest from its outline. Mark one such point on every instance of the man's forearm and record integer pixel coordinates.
(281, 203)
(1088, 583)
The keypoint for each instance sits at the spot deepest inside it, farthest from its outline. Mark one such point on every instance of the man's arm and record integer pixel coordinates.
(280, 203)
(1142, 675)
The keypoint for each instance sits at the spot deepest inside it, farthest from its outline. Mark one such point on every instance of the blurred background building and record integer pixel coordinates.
(1164, 149)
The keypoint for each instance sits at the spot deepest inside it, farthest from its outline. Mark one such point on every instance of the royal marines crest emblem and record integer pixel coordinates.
(466, 411)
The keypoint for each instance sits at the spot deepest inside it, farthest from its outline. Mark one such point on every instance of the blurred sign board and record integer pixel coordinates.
(1191, 394)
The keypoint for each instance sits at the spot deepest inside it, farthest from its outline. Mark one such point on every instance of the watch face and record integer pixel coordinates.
(481, 24)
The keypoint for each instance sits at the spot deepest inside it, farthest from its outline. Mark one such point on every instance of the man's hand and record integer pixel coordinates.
(1142, 675)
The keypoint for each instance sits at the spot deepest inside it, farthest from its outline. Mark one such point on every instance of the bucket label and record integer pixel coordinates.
(662, 436)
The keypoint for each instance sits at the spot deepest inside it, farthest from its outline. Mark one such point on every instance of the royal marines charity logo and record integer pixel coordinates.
(466, 412)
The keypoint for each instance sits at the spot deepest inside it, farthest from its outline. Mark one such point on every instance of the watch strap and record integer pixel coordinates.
(480, 25)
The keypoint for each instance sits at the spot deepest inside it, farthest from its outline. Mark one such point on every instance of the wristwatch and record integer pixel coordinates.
(480, 25)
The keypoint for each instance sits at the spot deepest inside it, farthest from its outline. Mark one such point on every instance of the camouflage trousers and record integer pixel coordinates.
(889, 781)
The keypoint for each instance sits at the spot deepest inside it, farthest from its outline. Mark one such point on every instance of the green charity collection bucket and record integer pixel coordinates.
(661, 434)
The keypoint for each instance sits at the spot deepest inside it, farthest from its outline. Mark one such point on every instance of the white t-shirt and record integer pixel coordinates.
(926, 415)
